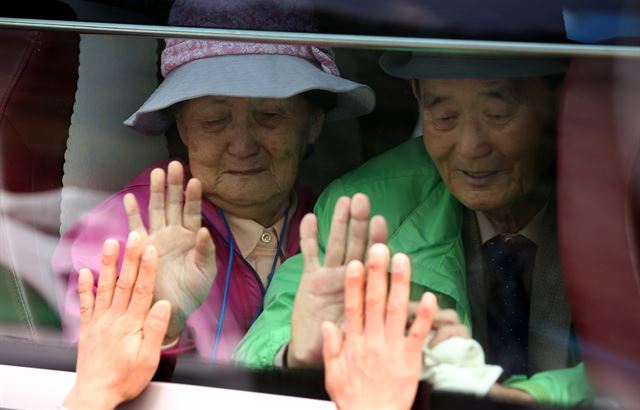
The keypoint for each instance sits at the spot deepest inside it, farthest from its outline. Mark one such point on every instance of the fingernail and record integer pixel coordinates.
(354, 270)
(149, 252)
(109, 247)
(431, 300)
(133, 238)
(397, 262)
(163, 308)
(84, 276)
(324, 328)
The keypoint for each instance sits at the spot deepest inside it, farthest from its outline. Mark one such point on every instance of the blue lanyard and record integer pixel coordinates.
(275, 262)
(226, 287)
(231, 241)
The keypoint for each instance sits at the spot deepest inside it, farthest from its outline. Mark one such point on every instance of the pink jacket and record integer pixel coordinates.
(81, 247)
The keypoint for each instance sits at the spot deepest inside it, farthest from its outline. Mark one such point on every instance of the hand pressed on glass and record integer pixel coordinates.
(321, 292)
(120, 332)
(186, 253)
(374, 364)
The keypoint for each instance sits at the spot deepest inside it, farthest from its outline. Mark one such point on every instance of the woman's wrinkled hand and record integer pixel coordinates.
(186, 253)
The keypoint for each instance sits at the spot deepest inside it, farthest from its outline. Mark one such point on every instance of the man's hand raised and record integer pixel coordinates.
(320, 295)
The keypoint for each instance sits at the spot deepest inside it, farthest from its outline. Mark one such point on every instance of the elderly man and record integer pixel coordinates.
(472, 205)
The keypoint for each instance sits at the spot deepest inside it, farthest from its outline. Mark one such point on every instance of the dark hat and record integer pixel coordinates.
(415, 65)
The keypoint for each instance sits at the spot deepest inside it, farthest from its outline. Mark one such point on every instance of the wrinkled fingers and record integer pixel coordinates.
(359, 213)
(446, 317)
(309, 242)
(206, 254)
(448, 331)
(134, 219)
(175, 196)
(334, 254)
(192, 214)
(157, 214)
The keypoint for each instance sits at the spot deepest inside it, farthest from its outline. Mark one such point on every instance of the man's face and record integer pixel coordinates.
(488, 138)
(247, 151)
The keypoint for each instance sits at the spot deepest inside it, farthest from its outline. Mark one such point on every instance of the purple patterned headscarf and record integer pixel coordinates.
(284, 15)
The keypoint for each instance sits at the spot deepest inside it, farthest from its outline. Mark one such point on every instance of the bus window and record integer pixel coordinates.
(476, 130)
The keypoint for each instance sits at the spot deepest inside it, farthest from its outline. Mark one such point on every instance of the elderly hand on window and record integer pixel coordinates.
(186, 253)
(321, 292)
(446, 324)
(374, 364)
(120, 332)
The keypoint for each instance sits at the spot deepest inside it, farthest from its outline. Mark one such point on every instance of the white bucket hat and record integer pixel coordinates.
(196, 68)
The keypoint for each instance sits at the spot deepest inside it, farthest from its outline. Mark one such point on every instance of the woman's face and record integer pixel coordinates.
(247, 151)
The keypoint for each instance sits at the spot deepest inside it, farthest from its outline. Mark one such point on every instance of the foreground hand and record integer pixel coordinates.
(320, 295)
(186, 254)
(120, 333)
(374, 365)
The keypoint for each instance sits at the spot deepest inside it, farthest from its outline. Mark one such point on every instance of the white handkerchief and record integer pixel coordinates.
(457, 365)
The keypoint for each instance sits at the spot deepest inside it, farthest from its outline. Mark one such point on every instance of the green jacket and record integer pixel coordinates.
(424, 222)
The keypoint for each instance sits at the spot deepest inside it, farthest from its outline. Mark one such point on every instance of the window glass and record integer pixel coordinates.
(496, 20)
(477, 151)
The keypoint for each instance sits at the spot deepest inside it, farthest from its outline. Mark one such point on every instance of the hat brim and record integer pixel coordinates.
(250, 76)
(448, 66)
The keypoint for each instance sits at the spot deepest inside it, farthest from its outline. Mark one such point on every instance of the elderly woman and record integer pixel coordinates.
(247, 113)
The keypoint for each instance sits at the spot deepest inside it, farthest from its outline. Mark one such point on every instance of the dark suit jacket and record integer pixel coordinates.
(550, 334)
